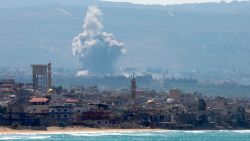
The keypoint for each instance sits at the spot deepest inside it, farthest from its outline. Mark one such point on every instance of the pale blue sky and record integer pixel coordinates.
(164, 2)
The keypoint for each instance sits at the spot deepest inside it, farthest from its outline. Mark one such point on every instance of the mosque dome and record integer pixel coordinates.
(51, 91)
(151, 101)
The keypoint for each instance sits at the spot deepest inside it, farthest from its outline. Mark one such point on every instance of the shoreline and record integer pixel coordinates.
(61, 130)
(79, 130)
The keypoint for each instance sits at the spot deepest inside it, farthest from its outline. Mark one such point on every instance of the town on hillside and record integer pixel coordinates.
(40, 105)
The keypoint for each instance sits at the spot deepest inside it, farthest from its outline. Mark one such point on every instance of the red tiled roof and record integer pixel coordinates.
(71, 100)
(7, 85)
(39, 100)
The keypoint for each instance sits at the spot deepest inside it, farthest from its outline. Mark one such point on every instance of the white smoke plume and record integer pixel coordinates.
(82, 73)
(97, 51)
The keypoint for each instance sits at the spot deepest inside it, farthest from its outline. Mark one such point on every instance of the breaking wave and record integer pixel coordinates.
(22, 136)
(157, 135)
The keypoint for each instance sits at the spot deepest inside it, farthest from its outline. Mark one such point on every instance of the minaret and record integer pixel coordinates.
(49, 77)
(133, 86)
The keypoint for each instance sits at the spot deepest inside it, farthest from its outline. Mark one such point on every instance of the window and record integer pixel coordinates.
(65, 110)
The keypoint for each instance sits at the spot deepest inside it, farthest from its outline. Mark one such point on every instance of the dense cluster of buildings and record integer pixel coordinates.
(39, 105)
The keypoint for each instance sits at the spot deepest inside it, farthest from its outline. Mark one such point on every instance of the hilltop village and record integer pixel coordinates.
(40, 105)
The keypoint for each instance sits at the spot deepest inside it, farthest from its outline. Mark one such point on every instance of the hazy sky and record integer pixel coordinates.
(164, 2)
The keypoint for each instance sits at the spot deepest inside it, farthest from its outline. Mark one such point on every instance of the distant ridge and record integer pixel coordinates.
(207, 37)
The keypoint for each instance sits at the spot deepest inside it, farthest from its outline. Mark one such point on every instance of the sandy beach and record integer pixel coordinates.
(56, 130)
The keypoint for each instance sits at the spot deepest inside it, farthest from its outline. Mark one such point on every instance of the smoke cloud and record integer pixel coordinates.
(82, 73)
(97, 51)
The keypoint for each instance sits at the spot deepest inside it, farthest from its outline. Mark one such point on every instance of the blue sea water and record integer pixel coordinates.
(223, 135)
